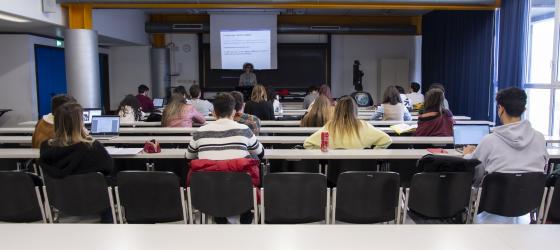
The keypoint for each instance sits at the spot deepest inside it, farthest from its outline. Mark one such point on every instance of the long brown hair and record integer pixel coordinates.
(321, 112)
(259, 93)
(391, 96)
(434, 100)
(345, 122)
(174, 108)
(69, 126)
(325, 90)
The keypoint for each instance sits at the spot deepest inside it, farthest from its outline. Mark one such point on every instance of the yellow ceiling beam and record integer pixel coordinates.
(80, 16)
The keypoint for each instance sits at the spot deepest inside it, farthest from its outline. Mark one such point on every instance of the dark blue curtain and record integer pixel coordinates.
(511, 43)
(457, 51)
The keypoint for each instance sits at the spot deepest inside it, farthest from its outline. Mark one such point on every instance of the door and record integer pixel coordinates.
(51, 76)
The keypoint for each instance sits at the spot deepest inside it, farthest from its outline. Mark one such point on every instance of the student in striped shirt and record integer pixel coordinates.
(224, 139)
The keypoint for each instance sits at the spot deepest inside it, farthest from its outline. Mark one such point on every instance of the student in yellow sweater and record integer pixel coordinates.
(346, 131)
(44, 129)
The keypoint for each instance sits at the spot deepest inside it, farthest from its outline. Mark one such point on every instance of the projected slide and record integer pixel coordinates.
(241, 46)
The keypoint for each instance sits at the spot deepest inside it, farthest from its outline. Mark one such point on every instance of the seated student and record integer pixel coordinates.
(202, 106)
(392, 108)
(324, 90)
(228, 140)
(346, 131)
(404, 98)
(253, 122)
(180, 90)
(272, 96)
(312, 94)
(145, 102)
(513, 147)
(44, 129)
(258, 105)
(440, 87)
(129, 109)
(435, 120)
(415, 95)
(178, 113)
(72, 151)
(320, 113)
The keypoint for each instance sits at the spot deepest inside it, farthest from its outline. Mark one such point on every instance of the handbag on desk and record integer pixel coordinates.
(152, 147)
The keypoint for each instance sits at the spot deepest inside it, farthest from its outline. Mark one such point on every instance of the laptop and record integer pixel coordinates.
(158, 103)
(467, 134)
(89, 113)
(105, 127)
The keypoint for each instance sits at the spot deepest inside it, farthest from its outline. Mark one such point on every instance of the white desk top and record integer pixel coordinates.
(293, 237)
(263, 139)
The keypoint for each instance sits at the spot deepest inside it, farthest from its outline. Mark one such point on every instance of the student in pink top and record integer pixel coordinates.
(178, 113)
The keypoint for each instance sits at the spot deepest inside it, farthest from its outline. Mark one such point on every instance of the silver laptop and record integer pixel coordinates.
(158, 103)
(89, 113)
(105, 127)
(467, 134)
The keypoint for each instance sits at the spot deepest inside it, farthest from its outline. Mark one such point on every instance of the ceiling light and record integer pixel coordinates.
(13, 18)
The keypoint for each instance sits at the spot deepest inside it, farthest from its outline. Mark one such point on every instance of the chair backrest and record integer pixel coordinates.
(150, 196)
(367, 197)
(294, 198)
(554, 209)
(18, 197)
(440, 195)
(512, 194)
(79, 195)
(221, 194)
(336, 167)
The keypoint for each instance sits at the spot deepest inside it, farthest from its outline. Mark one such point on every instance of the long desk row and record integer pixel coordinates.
(294, 237)
(263, 139)
(279, 154)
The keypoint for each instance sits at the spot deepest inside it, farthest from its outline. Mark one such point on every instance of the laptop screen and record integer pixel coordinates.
(105, 125)
(469, 134)
(158, 103)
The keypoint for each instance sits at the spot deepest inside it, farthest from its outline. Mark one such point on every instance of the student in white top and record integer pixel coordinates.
(202, 106)
(392, 108)
(404, 99)
(129, 109)
(415, 96)
(273, 97)
(514, 147)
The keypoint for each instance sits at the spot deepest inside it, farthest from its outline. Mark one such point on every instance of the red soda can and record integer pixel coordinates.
(325, 141)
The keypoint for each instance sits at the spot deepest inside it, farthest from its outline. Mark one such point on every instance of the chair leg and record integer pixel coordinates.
(540, 211)
(399, 208)
(548, 200)
(112, 204)
(41, 205)
(262, 206)
(183, 206)
(333, 217)
(472, 200)
(47, 205)
(120, 209)
(189, 205)
(327, 206)
(476, 204)
(255, 207)
(405, 208)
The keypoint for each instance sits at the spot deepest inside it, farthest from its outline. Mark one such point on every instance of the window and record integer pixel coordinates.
(542, 85)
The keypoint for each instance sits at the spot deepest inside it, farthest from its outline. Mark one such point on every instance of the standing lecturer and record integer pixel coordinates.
(248, 78)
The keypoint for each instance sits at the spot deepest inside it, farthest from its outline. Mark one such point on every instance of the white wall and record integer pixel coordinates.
(17, 77)
(128, 67)
(184, 59)
(33, 9)
(125, 25)
(368, 49)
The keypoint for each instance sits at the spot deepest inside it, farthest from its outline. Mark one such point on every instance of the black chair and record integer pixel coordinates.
(552, 212)
(79, 195)
(308, 166)
(20, 198)
(511, 194)
(335, 167)
(367, 197)
(221, 194)
(150, 197)
(294, 198)
(439, 195)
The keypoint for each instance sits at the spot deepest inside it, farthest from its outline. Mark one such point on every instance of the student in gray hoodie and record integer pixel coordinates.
(515, 146)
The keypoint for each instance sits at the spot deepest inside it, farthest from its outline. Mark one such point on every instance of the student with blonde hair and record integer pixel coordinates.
(321, 112)
(72, 150)
(259, 105)
(178, 113)
(346, 131)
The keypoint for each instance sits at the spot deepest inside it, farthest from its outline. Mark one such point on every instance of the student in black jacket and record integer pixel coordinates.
(258, 105)
(72, 151)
